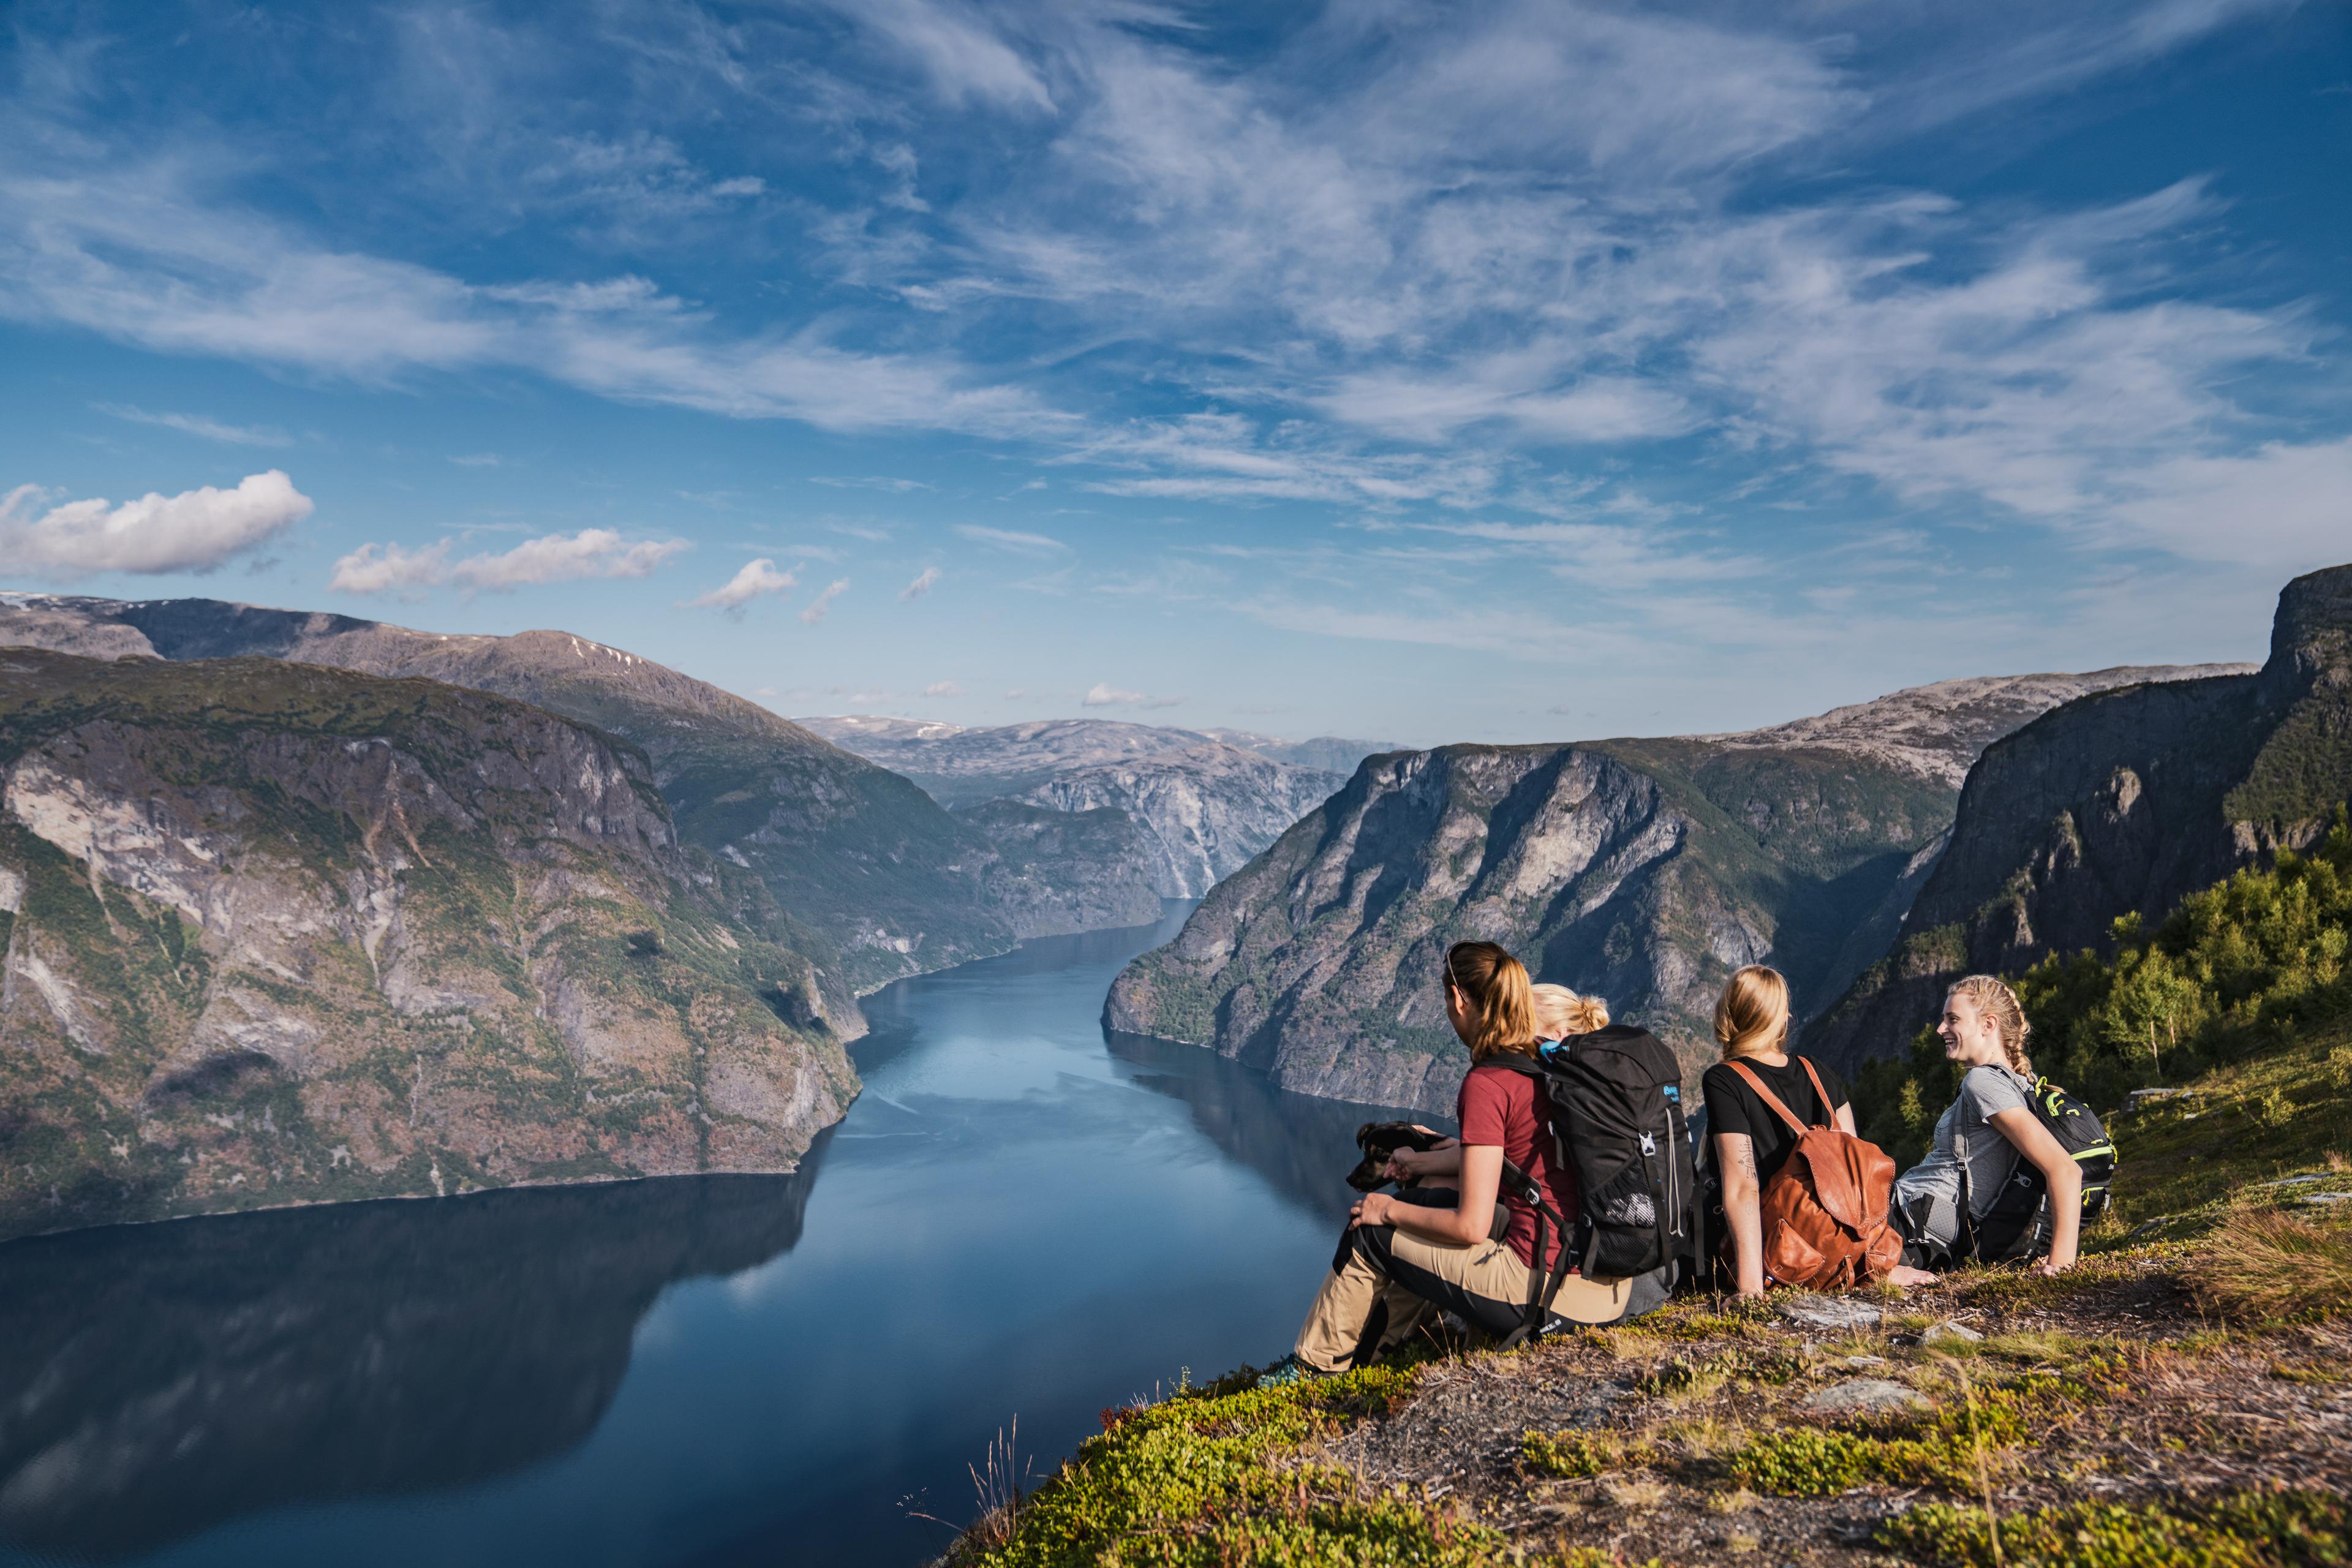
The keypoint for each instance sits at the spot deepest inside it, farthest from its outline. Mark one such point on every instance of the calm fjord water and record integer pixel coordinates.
(1018, 1218)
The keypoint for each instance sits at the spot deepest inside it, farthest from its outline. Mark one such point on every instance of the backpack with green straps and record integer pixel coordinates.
(2019, 1224)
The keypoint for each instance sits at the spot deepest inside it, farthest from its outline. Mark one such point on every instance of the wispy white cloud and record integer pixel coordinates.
(876, 483)
(819, 606)
(478, 460)
(924, 582)
(756, 579)
(1103, 694)
(591, 553)
(199, 426)
(943, 689)
(195, 531)
(1011, 539)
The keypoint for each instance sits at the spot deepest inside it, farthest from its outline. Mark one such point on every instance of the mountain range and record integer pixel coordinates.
(1205, 802)
(1642, 871)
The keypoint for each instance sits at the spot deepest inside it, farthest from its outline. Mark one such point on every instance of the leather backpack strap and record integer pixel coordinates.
(1829, 1112)
(1768, 1096)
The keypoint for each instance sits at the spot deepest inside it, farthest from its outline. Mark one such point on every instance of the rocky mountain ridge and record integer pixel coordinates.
(882, 881)
(1644, 870)
(1204, 807)
(2117, 804)
(278, 933)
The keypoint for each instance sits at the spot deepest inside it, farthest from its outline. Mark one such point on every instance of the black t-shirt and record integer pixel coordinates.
(1733, 1107)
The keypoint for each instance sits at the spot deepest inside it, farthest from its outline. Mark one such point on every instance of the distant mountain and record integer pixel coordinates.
(1204, 807)
(2119, 803)
(277, 933)
(1644, 870)
(1331, 754)
(886, 883)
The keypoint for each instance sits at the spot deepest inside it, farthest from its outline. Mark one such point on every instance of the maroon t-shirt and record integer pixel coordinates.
(1501, 1109)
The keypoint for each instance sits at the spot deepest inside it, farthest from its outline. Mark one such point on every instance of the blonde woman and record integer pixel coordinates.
(1749, 1141)
(1559, 1012)
(1983, 1134)
(1401, 1261)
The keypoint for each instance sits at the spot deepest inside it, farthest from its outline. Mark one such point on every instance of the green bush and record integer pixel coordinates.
(2245, 964)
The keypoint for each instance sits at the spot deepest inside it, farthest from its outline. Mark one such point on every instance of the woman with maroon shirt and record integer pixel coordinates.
(1401, 1261)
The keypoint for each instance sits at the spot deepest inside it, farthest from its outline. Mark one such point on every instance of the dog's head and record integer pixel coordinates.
(1379, 1139)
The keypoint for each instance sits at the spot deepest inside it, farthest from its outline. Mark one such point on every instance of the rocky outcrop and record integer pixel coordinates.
(275, 933)
(883, 882)
(2120, 803)
(1641, 870)
(1204, 807)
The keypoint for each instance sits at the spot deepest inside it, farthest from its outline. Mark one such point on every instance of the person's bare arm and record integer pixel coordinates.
(2024, 1130)
(1443, 1161)
(1735, 1160)
(1482, 1178)
(1844, 1120)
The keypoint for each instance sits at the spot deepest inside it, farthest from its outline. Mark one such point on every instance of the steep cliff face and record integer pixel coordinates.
(2120, 802)
(275, 933)
(1058, 872)
(1204, 807)
(888, 882)
(1641, 870)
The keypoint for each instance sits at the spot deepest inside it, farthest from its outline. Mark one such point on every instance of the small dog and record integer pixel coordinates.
(1379, 1139)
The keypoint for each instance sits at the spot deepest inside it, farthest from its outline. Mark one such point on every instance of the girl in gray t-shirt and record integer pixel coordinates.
(1983, 1134)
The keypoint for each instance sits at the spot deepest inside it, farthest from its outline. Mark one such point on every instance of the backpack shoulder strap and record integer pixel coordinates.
(1768, 1096)
(1828, 1111)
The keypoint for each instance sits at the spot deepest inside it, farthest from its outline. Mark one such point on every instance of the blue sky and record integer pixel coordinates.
(1465, 372)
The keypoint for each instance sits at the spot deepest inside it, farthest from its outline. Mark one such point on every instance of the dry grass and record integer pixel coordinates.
(2269, 1266)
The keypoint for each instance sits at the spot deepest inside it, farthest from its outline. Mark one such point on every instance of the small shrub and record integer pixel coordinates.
(2257, 1530)
(2271, 1265)
(1578, 1456)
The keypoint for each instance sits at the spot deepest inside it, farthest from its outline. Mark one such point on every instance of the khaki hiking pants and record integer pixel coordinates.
(1386, 1282)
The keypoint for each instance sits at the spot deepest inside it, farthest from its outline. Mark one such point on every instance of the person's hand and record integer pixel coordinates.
(1746, 1294)
(1372, 1208)
(1404, 1165)
(2050, 1267)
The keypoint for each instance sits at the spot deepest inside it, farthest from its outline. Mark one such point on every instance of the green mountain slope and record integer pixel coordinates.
(278, 933)
(893, 884)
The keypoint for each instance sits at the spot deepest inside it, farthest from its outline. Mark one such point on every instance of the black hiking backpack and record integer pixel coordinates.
(1617, 1120)
(2019, 1224)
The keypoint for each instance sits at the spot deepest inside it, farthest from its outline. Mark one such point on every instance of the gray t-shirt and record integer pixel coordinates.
(1928, 1194)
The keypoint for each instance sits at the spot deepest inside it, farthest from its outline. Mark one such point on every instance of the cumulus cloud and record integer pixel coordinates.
(200, 426)
(943, 689)
(591, 553)
(756, 578)
(195, 531)
(1103, 694)
(924, 581)
(818, 606)
(1011, 539)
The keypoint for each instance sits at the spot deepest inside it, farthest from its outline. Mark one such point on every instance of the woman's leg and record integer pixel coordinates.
(1360, 1300)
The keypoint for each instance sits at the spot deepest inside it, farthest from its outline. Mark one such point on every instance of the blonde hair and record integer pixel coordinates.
(1495, 985)
(1994, 999)
(1559, 1012)
(1751, 1017)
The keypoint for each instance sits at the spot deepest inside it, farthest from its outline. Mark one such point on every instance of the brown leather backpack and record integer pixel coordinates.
(1824, 1210)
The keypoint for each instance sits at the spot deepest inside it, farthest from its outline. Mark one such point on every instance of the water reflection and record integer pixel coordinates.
(162, 1378)
(1303, 1146)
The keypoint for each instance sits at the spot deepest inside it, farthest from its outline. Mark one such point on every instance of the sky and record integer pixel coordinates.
(1421, 373)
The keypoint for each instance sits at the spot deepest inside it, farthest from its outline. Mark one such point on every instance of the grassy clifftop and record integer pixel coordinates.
(2182, 1397)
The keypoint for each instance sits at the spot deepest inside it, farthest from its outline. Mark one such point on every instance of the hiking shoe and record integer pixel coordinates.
(1291, 1368)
